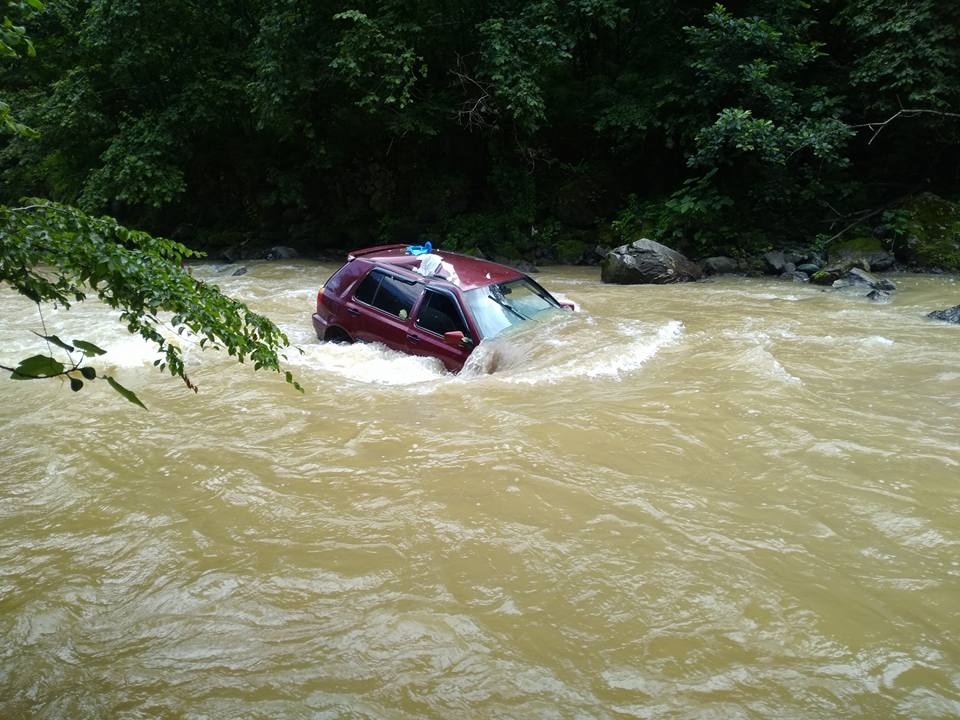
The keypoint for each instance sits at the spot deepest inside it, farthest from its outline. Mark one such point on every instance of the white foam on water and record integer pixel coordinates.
(877, 340)
(631, 349)
(370, 363)
(130, 351)
(761, 360)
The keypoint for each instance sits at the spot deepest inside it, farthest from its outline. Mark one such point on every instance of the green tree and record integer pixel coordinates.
(53, 253)
(13, 41)
(777, 139)
(515, 127)
(894, 57)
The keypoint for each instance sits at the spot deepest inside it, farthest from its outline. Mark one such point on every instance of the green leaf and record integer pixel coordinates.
(128, 394)
(89, 349)
(58, 342)
(76, 384)
(38, 366)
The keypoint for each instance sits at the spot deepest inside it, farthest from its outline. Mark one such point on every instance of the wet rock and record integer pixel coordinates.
(647, 262)
(868, 252)
(836, 271)
(881, 261)
(595, 255)
(880, 296)
(280, 252)
(951, 315)
(720, 265)
(775, 262)
(524, 266)
(808, 268)
(239, 271)
(794, 257)
(796, 276)
(231, 254)
(861, 278)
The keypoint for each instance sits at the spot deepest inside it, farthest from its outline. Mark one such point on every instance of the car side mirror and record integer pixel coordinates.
(457, 339)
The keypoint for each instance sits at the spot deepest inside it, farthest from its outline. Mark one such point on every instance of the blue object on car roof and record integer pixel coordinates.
(420, 249)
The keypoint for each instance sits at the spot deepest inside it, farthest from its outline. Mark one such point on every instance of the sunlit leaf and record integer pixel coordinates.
(89, 349)
(57, 341)
(128, 394)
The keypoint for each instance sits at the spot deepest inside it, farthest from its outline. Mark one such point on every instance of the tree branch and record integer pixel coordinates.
(473, 111)
(878, 127)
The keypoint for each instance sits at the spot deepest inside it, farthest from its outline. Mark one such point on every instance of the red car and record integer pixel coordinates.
(425, 302)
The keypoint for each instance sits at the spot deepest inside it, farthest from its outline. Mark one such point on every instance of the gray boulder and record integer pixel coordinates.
(862, 277)
(835, 271)
(775, 262)
(719, 265)
(951, 315)
(881, 261)
(856, 277)
(280, 252)
(647, 262)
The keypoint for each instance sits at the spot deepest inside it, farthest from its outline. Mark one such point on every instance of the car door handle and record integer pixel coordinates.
(353, 310)
(413, 338)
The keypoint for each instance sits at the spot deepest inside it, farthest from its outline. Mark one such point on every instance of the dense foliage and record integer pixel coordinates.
(54, 254)
(529, 128)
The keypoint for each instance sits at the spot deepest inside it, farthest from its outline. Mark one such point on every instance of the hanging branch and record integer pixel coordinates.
(877, 127)
(473, 112)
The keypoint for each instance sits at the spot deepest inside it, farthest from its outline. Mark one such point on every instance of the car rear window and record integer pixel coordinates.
(388, 293)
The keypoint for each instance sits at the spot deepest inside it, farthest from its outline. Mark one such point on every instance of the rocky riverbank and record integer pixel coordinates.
(921, 235)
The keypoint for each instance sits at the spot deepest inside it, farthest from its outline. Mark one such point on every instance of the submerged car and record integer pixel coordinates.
(426, 302)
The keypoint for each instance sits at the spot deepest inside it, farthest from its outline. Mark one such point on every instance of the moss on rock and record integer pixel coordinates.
(929, 233)
(857, 246)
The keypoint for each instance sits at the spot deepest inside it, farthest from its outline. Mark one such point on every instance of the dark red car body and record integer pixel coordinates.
(436, 304)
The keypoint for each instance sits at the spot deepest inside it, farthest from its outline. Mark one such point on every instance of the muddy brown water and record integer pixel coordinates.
(734, 499)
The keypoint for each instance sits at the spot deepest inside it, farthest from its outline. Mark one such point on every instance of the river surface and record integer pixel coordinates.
(732, 499)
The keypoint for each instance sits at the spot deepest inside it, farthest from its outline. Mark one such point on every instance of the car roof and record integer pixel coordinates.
(470, 272)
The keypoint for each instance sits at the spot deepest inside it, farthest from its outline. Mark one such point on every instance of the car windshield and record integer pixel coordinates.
(497, 307)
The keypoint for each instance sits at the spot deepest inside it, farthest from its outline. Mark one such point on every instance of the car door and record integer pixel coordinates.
(439, 313)
(381, 308)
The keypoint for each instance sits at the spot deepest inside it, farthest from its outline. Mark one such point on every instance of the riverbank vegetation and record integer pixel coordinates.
(535, 129)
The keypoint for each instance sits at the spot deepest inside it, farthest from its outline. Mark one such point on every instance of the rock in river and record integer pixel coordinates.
(647, 262)
(949, 315)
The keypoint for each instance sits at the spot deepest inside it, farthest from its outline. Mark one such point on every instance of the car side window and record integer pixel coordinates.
(367, 289)
(439, 313)
(388, 293)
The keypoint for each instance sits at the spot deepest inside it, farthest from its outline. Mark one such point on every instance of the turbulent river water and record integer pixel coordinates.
(729, 499)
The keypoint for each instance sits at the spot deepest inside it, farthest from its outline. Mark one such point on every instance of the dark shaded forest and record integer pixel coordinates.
(523, 129)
